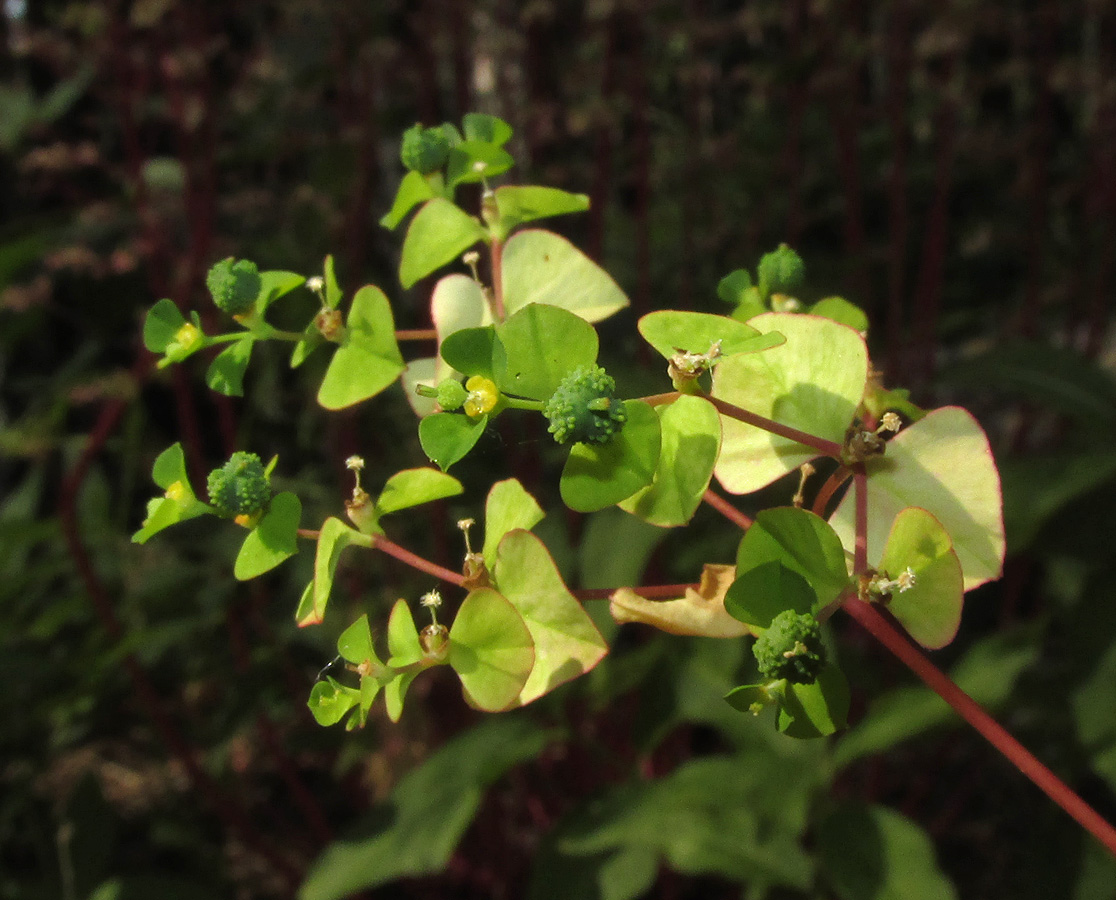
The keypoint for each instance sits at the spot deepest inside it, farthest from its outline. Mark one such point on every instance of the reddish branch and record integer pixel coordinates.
(882, 630)
(726, 509)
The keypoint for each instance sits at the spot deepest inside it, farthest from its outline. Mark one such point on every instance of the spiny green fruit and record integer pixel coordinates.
(791, 648)
(240, 486)
(584, 409)
(424, 150)
(451, 394)
(781, 272)
(235, 285)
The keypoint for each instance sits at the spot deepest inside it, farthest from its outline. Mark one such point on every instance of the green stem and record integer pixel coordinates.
(521, 403)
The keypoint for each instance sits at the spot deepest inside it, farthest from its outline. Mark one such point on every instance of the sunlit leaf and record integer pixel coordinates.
(599, 475)
(541, 267)
(525, 203)
(405, 649)
(491, 650)
(669, 331)
(412, 487)
(369, 359)
(439, 233)
(226, 373)
(799, 541)
(448, 437)
(944, 465)
(471, 161)
(538, 347)
(841, 310)
(275, 284)
(355, 642)
(815, 710)
(691, 439)
(508, 507)
(413, 189)
(930, 609)
(567, 643)
(487, 128)
(813, 382)
(161, 325)
(273, 540)
(330, 701)
(333, 538)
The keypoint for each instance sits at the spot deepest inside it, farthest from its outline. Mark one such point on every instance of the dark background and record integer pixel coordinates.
(947, 166)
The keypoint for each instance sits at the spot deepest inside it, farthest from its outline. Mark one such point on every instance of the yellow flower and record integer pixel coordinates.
(483, 396)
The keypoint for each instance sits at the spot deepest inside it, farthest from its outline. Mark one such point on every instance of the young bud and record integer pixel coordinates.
(235, 285)
(584, 409)
(791, 648)
(240, 487)
(424, 150)
(781, 271)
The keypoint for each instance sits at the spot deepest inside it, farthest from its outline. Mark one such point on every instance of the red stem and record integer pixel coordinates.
(416, 334)
(829, 448)
(726, 509)
(860, 549)
(882, 630)
(838, 478)
(649, 591)
(497, 260)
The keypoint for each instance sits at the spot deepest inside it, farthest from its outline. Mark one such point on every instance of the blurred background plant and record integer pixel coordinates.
(948, 167)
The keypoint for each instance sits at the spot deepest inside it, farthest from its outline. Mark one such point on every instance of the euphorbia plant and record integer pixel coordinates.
(770, 388)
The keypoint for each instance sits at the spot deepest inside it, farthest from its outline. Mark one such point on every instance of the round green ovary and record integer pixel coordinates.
(583, 408)
(240, 486)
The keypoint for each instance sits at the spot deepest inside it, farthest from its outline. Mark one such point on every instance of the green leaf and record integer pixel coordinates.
(412, 487)
(944, 465)
(691, 440)
(669, 331)
(226, 373)
(179, 504)
(448, 437)
(438, 234)
(273, 540)
(815, 710)
(413, 189)
(841, 310)
(802, 543)
(330, 701)
(405, 649)
(733, 286)
(813, 382)
(1055, 378)
(508, 507)
(987, 673)
(473, 161)
(736, 817)
(541, 267)
(491, 650)
(873, 853)
(760, 593)
(538, 346)
(161, 325)
(369, 359)
(416, 831)
(470, 351)
(1039, 486)
(567, 644)
(517, 204)
(275, 284)
(333, 538)
(483, 127)
(355, 642)
(599, 475)
(930, 610)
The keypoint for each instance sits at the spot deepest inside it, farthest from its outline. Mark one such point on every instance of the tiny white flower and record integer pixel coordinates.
(431, 599)
(356, 463)
(315, 284)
